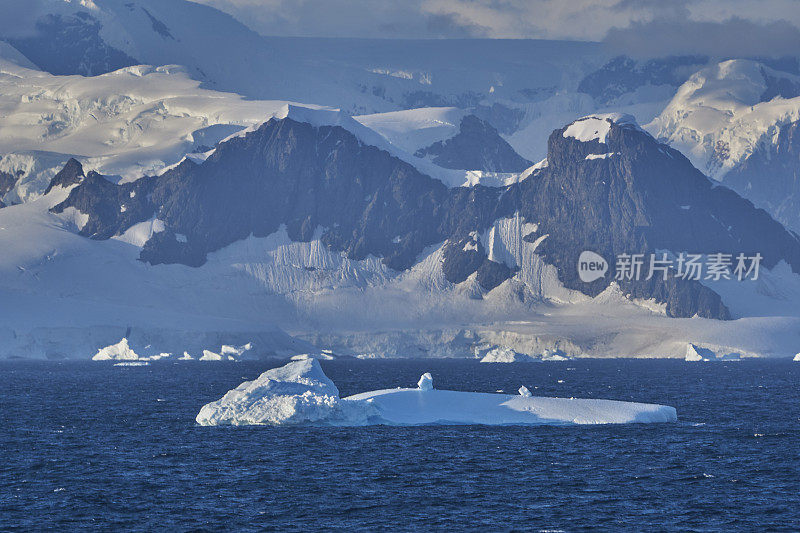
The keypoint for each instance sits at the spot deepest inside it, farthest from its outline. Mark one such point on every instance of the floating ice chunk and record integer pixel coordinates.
(208, 355)
(324, 355)
(226, 353)
(696, 352)
(796, 357)
(235, 351)
(524, 392)
(425, 381)
(132, 363)
(554, 355)
(301, 394)
(120, 351)
(298, 393)
(692, 353)
(503, 354)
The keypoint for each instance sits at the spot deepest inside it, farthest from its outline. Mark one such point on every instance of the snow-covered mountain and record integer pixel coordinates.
(315, 216)
(130, 122)
(378, 198)
(301, 223)
(357, 75)
(734, 121)
(476, 146)
(625, 79)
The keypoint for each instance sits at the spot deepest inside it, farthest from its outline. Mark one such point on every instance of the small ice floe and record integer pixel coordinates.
(301, 394)
(132, 363)
(796, 357)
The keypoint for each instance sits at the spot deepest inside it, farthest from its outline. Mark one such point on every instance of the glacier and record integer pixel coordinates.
(300, 393)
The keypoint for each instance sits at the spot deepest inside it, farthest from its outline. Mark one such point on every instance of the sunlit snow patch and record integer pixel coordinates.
(597, 127)
(301, 394)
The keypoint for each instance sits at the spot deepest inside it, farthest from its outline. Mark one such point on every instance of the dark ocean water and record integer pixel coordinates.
(89, 445)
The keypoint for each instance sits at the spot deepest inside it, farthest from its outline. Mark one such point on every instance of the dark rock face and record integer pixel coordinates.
(7, 182)
(624, 75)
(778, 164)
(71, 45)
(304, 177)
(71, 174)
(477, 146)
(646, 198)
(158, 26)
(464, 257)
(779, 86)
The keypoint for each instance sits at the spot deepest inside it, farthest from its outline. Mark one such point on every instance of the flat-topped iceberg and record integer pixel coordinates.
(301, 394)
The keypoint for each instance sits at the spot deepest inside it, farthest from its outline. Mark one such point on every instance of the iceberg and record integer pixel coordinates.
(504, 354)
(296, 394)
(120, 351)
(301, 394)
(695, 353)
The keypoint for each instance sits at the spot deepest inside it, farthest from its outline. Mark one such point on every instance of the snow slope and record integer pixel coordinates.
(415, 128)
(721, 114)
(142, 120)
(132, 122)
(67, 297)
(301, 394)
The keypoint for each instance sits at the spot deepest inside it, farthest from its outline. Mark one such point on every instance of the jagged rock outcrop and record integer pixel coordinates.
(610, 188)
(477, 146)
(7, 182)
(71, 174)
(287, 173)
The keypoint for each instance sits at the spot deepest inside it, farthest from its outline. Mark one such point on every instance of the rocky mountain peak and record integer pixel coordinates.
(71, 174)
(477, 146)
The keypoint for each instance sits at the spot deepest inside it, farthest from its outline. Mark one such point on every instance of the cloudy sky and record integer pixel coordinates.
(648, 25)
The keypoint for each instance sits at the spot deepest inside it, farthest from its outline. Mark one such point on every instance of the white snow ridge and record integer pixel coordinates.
(301, 394)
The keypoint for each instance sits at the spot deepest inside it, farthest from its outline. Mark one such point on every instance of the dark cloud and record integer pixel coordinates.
(735, 37)
(646, 26)
(451, 26)
(18, 17)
